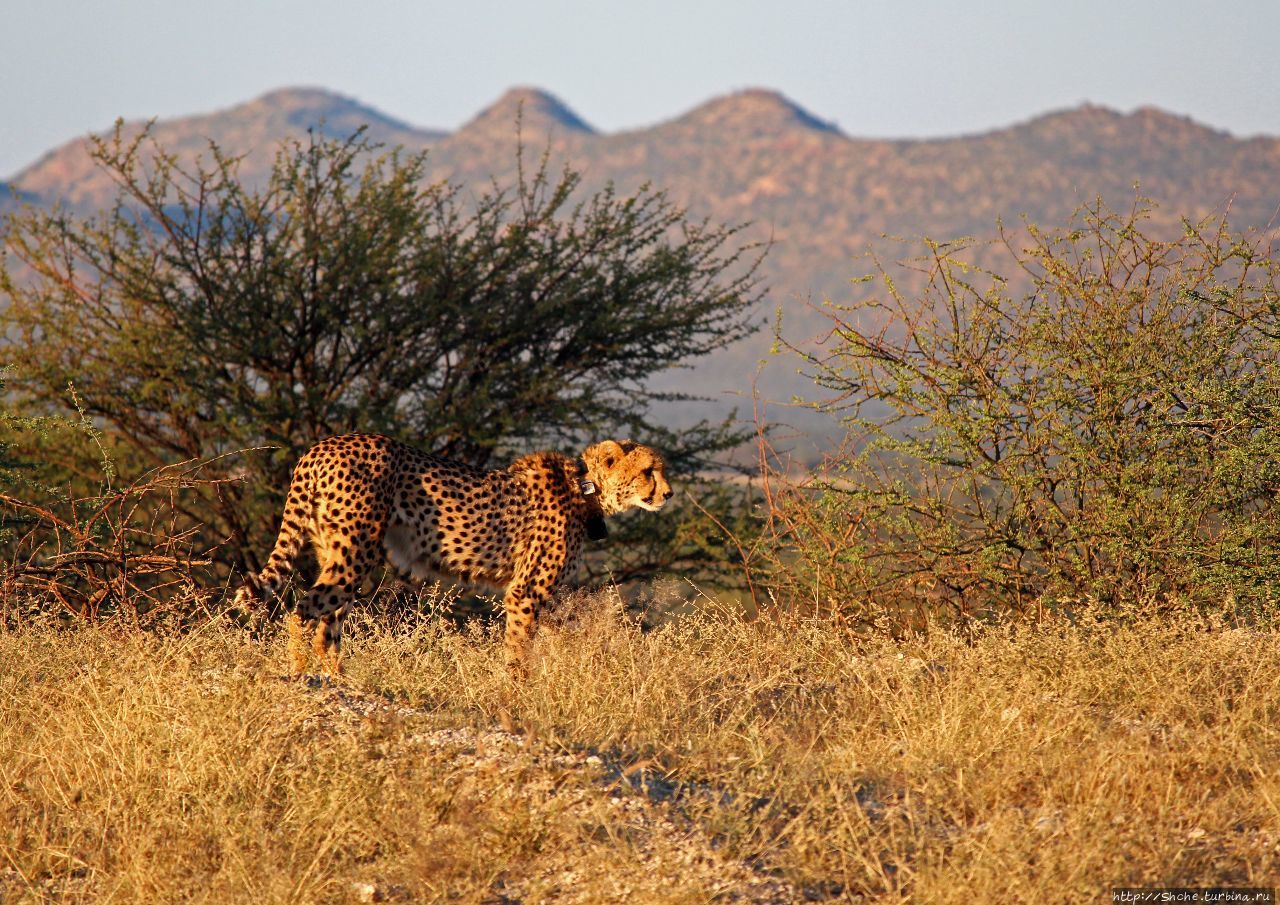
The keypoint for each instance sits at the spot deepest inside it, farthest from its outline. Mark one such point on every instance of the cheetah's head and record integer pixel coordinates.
(627, 474)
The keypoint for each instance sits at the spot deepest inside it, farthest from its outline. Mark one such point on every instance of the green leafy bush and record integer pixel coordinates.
(1109, 432)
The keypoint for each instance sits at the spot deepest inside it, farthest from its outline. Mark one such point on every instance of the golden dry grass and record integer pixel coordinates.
(709, 760)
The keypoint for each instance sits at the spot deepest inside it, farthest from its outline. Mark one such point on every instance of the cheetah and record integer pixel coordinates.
(362, 499)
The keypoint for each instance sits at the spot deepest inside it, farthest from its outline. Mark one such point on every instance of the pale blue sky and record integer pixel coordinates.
(877, 69)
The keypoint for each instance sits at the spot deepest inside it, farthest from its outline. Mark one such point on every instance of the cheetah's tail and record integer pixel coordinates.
(264, 588)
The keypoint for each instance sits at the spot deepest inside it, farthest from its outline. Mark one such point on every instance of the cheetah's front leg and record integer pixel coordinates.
(522, 608)
(523, 602)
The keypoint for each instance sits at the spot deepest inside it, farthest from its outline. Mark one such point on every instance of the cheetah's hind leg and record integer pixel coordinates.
(322, 611)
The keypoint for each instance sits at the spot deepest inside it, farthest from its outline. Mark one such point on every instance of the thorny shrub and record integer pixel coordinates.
(1104, 427)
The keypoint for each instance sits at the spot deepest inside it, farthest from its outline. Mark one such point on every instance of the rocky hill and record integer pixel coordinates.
(821, 196)
(11, 199)
(253, 129)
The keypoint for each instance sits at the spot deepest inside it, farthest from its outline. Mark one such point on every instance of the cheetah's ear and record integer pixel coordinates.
(607, 452)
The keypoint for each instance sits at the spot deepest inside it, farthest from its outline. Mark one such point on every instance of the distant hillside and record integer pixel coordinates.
(11, 199)
(822, 196)
(254, 130)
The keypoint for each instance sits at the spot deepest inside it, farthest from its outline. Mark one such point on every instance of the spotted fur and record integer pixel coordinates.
(362, 499)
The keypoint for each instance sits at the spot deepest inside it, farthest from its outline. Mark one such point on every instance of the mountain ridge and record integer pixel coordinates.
(304, 106)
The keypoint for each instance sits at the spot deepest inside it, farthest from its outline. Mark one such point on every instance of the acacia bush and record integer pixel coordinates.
(1102, 427)
(202, 316)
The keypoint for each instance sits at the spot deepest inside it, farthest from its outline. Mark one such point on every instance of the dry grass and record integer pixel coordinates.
(709, 760)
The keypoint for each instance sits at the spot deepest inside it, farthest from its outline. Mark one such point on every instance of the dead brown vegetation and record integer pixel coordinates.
(1044, 764)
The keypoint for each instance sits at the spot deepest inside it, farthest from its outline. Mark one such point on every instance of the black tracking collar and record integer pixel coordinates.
(596, 528)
